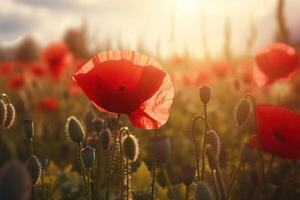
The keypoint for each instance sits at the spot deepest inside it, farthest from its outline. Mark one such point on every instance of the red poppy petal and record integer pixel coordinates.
(154, 112)
(279, 130)
(120, 81)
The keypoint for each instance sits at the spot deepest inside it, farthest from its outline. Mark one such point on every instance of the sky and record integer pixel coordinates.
(149, 21)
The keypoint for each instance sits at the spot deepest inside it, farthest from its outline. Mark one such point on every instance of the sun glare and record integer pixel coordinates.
(187, 5)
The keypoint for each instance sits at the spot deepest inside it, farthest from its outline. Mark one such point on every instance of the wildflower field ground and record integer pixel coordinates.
(120, 124)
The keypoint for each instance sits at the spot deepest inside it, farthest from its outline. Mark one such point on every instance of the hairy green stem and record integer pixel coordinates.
(83, 175)
(204, 141)
(167, 178)
(109, 164)
(232, 181)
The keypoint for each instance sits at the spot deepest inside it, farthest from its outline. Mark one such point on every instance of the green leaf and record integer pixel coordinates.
(141, 179)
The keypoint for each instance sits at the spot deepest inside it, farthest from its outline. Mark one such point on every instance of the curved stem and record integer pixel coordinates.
(232, 181)
(167, 178)
(43, 184)
(121, 166)
(214, 180)
(83, 175)
(153, 177)
(221, 183)
(127, 179)
(196, 145)
(110, 167)
(204, 142)
(187, 192)
(257, 135)
(5, 98)
(89, 183)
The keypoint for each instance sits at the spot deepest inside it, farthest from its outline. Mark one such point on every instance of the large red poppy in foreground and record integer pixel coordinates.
(275, 62)
(58, 58)
(279, 131)
(130, 83)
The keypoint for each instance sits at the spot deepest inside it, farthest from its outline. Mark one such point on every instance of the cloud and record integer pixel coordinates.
(15, 25)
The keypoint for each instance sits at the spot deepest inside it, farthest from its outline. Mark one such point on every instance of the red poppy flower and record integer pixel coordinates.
(279, 131)
(275, 62)
(221, 69)
(5, 68)
(38, 70)
(204, 76)
(49, 104)
(16, 82)
(130, 83)
(58, 58)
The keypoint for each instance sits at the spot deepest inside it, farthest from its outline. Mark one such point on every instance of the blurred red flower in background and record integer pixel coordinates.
(49, 103)
(279, 131)
(6, 68)
(130, 83)
(221, 69)
(16, 82)
(58, 58)
(38, 70)
(275, 62)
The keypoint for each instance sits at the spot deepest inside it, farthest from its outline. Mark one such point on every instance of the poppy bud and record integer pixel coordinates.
(160, 148)
(211, 157)
(205, 93)
(10, 117)
(75, 130)
(242, 111)
(188, 174)
(106, 138)
(213, 140)
(3, 112)
(14, 181)
(34, 168)
(131, 147)
(202, 191)
(111, 123)
(44, 162)
(88, 156)
(28, 129)
(98, 124)
(246, 153)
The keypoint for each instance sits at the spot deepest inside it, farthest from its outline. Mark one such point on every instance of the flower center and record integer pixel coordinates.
(279, 137)
(122, 88)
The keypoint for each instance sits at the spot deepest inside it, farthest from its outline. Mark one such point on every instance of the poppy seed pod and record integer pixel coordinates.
(98, 124)
(75, 130)
(131, 147)
(188, 174)
(211, 157)
(3, 112)
(34, 168)
(247, 153)
(205, 93)
(10, 117)
(88, 156)
(106, 138)
(28, 129)
(213, 140)
(111, 123)
(160, 148)
(202, 191)
(14, 181)
(242, 111)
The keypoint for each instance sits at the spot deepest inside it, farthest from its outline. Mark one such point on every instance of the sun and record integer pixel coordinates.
(187, 5)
